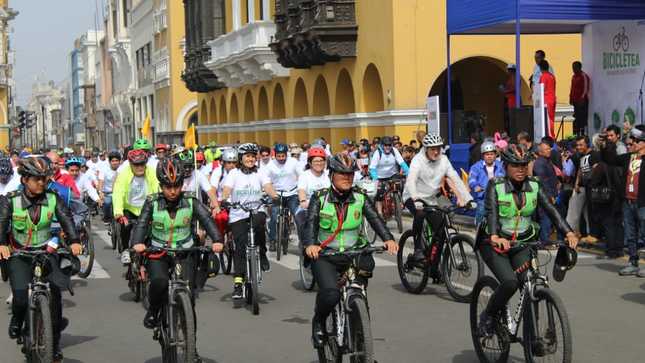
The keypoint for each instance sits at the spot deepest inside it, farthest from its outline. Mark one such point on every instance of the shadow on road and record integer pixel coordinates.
(297, 285)
(158, 360)
(127, 296)
(431, 289)
(68, 304)
(609, 267)
(469, 356)
(68, 340)
(79, 283)
(636, 297)
(297, 319)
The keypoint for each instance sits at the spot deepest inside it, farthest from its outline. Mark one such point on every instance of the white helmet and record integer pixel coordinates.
(432, 140)
(487, 146)
(229, 155)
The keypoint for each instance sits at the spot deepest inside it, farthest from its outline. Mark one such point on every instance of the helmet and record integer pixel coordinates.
(293, 145)
(34, 166)
(137, 156)
(342, 163)
(114, 154)
(247, 148)
(319, 142)
(217, 154)
(516, 154)
(432, 140)
(212, 144)
(170, 172)
(316, 152)
(142, 144)
(200, 156)
(487, 146)
(387, 140)
(161, 147)
(296, 151)
(74, 161)
(6, 169)
(281, 148)
(68, 150)
(564, 261)
(229, 155)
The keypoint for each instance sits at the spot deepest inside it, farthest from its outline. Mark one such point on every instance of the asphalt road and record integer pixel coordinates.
(606, 314)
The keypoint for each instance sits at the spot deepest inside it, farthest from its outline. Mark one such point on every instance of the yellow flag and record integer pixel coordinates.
(464, 176)
(189, 138)
(145, 129)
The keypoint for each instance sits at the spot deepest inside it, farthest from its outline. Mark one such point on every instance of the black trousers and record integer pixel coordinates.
(20, 275)
(608, 221)
(127, 230)
(436, 224)
(159, 274)
(326, 271)
(503, 267)
(240, 230)
(581, 117)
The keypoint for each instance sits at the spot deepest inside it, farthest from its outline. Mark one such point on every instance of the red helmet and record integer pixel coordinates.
(161, 147)
(138, 156)
(316, 152)
(200, 156)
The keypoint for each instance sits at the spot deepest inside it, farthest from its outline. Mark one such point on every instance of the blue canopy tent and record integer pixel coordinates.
(472, 17)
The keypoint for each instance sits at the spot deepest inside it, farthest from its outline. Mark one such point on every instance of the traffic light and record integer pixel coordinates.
(22, 119)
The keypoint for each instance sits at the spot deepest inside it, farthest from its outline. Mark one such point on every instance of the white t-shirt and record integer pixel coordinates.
(311, 183)
(12, 185)
(386, 165)
(137, 193)
(206, 169)
(217, 180)
(245, 188)
(284, 177)
(108, 177)
(425, 178)
(84, 185)
(200, 179)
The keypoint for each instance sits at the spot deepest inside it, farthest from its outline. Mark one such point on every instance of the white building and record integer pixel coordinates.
(141, 30)
(46, 100)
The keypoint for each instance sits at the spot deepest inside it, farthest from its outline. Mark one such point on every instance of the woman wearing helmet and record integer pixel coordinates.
(246, 184)
(511, 205)
(229, 162)
(9, 180)
(314, 178)
(167, 219)
(386, 163)
(480, 173)
(19, 230)
(428, 170)
(334, 220)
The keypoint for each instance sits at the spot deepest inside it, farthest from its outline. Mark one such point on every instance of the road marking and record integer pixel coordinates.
(98, 272)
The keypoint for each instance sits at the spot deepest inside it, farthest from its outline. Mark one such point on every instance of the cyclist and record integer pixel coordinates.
(161, 150)
(168, 219)
(246, 184)
(283, 172)
(335, 215)
(229, 162)
(265, 157)
(194, 181)
(25, 221)
(511, 206)
(131, 187)
(60, 175)
(83, 181)
(423, 185)
(106, 184)
(313, 179)
(384, 165)
(9, 180)
(140, 144)
(480, 173)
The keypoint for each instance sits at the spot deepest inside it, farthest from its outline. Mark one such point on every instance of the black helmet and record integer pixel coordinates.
(564, 261)
(170, 172)
(34, 166)
(6, 169)
(516, 154)
(342, 163)
(114, 154)
(387, 140)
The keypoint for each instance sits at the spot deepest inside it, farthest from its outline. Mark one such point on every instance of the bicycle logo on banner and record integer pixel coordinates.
(621, 41)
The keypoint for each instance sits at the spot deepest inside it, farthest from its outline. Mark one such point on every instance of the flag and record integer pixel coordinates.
(464, 176)
(189, 138)
(145, 129)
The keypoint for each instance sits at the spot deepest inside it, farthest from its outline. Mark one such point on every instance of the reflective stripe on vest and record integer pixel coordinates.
(171, 232)
(350, 233)
(513, 221)
(23, 229)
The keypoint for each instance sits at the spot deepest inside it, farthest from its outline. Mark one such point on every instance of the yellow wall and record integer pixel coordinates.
(4, 133)
(179, 94)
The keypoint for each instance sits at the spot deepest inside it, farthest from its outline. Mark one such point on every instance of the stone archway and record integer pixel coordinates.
(321, 98)
(372, 90)
(300, 103)
(263, 105)
(212, 119)
(278, 103)
(249, 111)
(223, 117)
(233, 115)
(344, 94)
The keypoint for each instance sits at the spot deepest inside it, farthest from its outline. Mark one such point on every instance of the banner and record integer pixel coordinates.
(613, 54)
(433, 124)
(539, 112)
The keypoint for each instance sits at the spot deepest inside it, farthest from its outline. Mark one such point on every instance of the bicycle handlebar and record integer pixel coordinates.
(450, 209)
(32, 253)
(364, 251)
(154, 250)
(250, 205)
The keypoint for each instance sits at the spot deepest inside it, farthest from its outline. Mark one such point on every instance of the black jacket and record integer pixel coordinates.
(141, 232)
(63, 215)
(609, 155)
(492, 211)
(310, 235)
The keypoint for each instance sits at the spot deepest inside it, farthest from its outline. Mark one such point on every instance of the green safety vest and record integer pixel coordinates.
(517, 222)
(172, 232)
(350, 234)
(23, 229)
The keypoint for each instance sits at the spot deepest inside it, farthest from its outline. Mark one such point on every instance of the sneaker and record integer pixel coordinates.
(317, 333)
(9, 299)
(125, 257)
(58, 355)
(265, 265)
(150, 320)
(629, 270)
(272, 246)
(15, 327)
(238, 291)
(641, 272)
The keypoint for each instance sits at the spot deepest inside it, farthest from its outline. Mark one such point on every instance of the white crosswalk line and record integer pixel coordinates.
(97, 273)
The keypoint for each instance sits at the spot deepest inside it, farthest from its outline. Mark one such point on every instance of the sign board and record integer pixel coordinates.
(613, 54)
(434, 115)
(539, 112)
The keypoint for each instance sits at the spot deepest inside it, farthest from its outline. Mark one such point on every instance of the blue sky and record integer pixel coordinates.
(43, 35)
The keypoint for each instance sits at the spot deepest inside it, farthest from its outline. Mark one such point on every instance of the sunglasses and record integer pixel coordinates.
(188, 155)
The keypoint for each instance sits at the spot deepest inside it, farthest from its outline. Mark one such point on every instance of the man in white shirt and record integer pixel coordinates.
(106, 183)
(83, 181)
(283, 172)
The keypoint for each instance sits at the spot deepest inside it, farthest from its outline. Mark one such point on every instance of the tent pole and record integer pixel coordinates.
(518, 72)
(449, 83)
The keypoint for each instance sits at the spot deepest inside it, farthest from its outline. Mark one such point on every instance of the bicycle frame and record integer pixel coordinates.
(176, 285)
(38, 286)
(447, 229)
(348, 289)
(252, 251)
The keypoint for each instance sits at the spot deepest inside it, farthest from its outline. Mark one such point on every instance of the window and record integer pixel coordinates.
(219, 18)
(126, 13)
(149, 53)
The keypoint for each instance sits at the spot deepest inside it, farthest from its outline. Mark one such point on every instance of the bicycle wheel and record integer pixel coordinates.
(145, 298)
(413, 277)
(280, 236)
(330, 351)
(87, 256)
(360, 330)
(461, 267)
(183, 347)
(396, 199)
(307, 279)
(489, 349)
(42, 348)
(254, 288)
(115, 232)
(546, 330)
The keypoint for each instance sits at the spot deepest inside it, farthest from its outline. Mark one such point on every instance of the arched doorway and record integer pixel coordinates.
(223, 119)
(344, 94)
(372, 90)
(300, 104)
(475, 91)
(263, 105)
(213, 113)
(249, 112)
(278, 103)
(321, 98)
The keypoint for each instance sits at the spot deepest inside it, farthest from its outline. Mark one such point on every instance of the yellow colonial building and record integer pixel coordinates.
(6, 73)
(290, 71)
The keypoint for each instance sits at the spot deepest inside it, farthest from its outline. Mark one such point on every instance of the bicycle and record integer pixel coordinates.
(458, 259)
(137, 277)
(87, 255)
(37, 338)
(176, 330)
(347, 329)
(283, 225)
(226, 256)
(253, 271)
(621, 41)
(534, 291)
(392, 201)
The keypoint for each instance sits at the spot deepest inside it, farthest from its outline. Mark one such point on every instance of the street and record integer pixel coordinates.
(605, 311)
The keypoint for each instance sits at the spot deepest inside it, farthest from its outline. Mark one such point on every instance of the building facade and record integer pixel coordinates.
(297, 70)
(141, 30)
(46, 103)
(7, 133)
